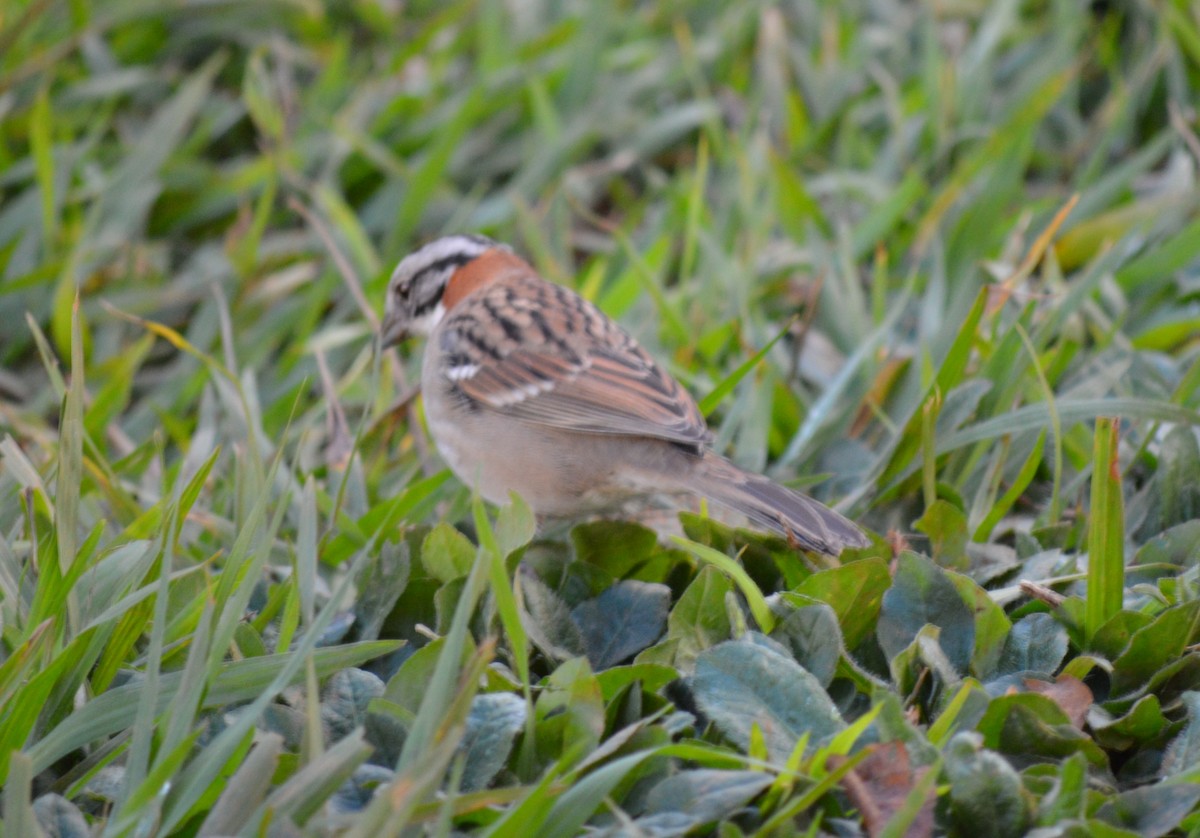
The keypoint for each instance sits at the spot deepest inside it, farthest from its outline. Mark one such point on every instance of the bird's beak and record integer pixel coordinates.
(393, 331)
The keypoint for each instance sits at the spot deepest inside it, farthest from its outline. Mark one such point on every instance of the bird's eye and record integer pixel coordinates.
(402, 292)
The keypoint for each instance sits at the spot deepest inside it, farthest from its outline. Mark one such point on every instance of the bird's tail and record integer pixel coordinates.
(802, 520)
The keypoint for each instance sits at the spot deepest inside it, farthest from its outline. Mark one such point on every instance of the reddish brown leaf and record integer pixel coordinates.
(879, 785)
(1068, 692)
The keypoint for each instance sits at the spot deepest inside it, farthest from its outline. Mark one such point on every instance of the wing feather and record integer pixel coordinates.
(600, 395)
(571, 368)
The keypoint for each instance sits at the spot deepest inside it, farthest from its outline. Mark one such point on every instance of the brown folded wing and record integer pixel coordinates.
(609, 390)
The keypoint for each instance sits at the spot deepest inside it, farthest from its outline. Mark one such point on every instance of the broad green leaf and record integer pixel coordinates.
(1068, 798)
(59, 817)
(515, 525)
(1151, 811)
(407, 685)
(344, 700)
(446, 553)
(1113, 637)
(548, 620)
(622, 621)
(383, 583)
(699, 619)
(1157, 644)
(1037, 643)
(992, 625)
(946, 526)
(986, 796)
(1141, 725)
(1183, 754)
(922, 594)
(615, 546)
(1179, 491)
(809, 630)
(495, 720)
(1179, 546)
(1033, 725)
(739, 684)
(855, 591)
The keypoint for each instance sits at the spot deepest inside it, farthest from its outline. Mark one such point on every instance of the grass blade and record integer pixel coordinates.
(754, 598)
(70, 457)
(718, 394)
(1106, 530)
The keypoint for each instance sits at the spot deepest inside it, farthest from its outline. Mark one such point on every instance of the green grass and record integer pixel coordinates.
(929, 261)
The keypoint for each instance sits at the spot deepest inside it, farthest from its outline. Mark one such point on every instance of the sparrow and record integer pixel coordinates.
(530, 388)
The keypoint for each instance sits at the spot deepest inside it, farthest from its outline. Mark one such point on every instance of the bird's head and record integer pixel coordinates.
(414, 294)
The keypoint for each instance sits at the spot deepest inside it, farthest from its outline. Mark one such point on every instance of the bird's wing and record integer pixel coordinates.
(573, 369)
(604, 394)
